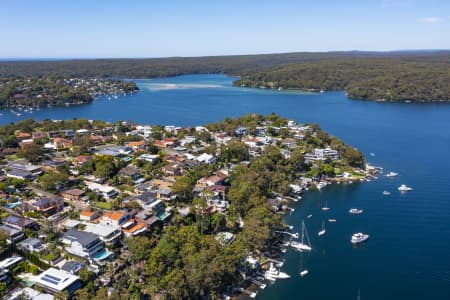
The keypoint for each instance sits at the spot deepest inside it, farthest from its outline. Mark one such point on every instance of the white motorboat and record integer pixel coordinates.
(391, 174)
(304, 244)
(404, 188)
(321, 185)
(359, 238)
(273, 273)
(386, 193)
(332, 220)
(323, 230)
(355, 211)
(309, 216)
(304, 273)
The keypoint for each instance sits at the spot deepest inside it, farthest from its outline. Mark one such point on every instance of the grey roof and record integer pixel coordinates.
(84, 238)
(18, 222)
(11, 231)
(19, 173)
(129, 171)
(72, 266)
(34, 242)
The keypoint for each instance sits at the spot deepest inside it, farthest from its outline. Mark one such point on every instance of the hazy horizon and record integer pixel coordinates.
(143, 29)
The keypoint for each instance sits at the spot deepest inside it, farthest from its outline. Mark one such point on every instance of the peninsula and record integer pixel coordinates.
(37, 92)
(155, 211)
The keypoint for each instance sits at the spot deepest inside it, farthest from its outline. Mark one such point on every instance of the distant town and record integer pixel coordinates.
(30, 93)
(91, 209)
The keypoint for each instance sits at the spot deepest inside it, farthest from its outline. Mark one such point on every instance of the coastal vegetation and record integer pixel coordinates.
(422, 79)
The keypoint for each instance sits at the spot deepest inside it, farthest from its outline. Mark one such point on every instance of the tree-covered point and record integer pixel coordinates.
(420, 79)
(56, 91)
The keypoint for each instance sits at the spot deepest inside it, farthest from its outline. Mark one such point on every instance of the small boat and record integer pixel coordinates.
(391, 174)
(359, 237)
(321, 185)
(326, 208)
(309, 216)
(304, 273)
(323, 230)
(302, 245)
(404, 188)
(332, 220)
(386, 193)
(372, 154)
(355, 211)
(273, 273)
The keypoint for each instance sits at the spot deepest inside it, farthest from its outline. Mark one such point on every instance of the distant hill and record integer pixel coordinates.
(417, 75)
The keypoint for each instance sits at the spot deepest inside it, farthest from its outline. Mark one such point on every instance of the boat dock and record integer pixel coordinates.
(258, 283)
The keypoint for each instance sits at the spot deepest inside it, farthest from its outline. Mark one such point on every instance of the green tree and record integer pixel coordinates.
(32, 152)
(139, 247)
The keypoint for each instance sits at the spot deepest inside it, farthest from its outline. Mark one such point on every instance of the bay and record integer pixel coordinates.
(407, 254)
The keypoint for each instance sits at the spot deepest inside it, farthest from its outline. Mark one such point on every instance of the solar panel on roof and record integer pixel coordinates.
(52, 277)
(49, 280)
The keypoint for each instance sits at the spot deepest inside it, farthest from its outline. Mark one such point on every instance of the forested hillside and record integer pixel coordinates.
(421, 79)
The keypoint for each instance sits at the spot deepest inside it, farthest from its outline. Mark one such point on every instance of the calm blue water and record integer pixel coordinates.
(407, 256)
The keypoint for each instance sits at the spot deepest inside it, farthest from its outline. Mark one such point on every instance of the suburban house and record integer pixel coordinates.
(14, 235)
(84, 244)
(206, 158)
(132, 172)
(72, 194)
(59, 144)
(108, 234)
(48, 206)
(153, 158)
(133, 228)
(88, 215)
(20, 223)
(56, 281)
(106, 191)
(32, 245)
(114, 218)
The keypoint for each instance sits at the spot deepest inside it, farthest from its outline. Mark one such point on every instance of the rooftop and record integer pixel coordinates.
(55, 279)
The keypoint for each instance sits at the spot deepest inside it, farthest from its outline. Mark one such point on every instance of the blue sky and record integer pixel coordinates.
(154, 28)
